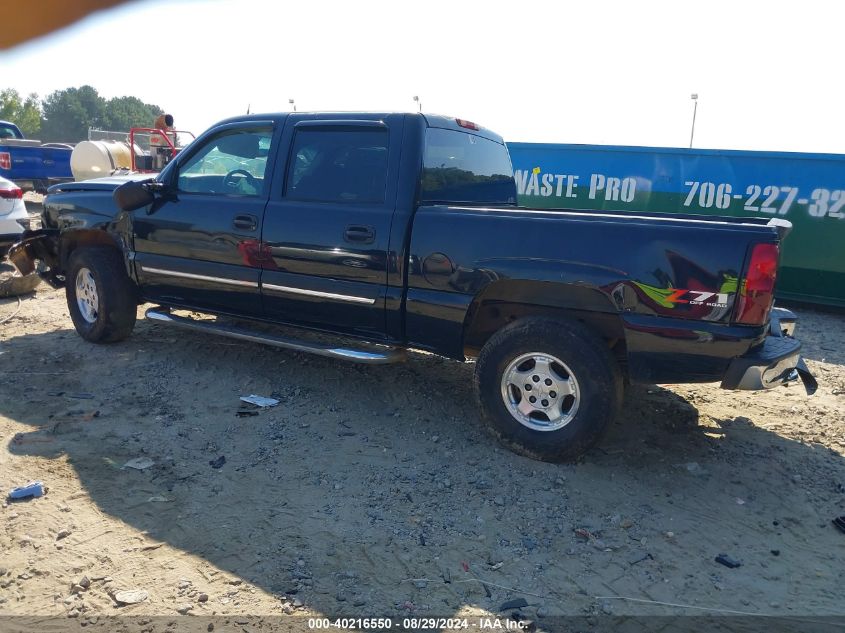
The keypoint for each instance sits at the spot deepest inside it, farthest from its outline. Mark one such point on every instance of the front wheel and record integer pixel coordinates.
(100, 296)
(548, 388)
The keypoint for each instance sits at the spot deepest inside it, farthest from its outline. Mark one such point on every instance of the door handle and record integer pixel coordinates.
(245, 222)
(360, 234)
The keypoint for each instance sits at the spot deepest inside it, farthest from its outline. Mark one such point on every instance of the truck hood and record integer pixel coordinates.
(109, 183)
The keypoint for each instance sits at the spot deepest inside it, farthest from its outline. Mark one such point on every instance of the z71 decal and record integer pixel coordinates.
(699, 298)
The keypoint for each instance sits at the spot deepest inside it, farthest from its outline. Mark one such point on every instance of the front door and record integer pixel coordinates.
(327, 224)
(198, 245)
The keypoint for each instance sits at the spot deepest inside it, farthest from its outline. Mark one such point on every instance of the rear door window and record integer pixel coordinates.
(462, 167)
(338, 165)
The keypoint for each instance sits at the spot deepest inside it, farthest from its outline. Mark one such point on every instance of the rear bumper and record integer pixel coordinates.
(774, 363)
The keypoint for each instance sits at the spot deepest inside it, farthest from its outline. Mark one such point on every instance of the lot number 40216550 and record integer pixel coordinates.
(765, 199)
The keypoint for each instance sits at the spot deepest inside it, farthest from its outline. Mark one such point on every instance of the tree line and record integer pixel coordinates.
(65, 115)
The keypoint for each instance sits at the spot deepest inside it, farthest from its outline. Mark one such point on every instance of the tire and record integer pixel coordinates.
(100, 296)
(565, 367)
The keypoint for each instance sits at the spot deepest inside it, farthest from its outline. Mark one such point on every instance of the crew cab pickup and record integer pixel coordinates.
(401, 231)
(29, 163)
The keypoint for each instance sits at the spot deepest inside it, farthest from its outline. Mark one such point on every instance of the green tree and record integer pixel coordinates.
(122, 113)
(25, 113)
(68, 113)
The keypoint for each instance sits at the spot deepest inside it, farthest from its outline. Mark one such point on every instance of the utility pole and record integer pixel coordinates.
(292, 104)
(419, 103)
(694, 97)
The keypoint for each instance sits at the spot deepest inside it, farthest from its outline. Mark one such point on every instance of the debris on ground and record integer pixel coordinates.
(727, 561)
(32, 489)
(138, 463)
(246, 414)
(516, 603)
(839, 522)
(260, 401)
(217, 462)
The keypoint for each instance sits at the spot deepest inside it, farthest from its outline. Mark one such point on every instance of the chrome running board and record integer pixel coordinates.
(378, 355)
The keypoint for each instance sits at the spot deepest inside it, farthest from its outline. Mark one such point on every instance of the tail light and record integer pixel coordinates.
(14, 192)
(757, 291)
(5, 160)
(467, 124)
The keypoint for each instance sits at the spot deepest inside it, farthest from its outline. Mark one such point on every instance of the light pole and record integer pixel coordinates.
(419, 103)
(292, 104)
(694, 97)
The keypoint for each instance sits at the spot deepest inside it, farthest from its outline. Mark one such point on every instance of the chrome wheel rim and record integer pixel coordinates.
(87, 299)
(540, 391)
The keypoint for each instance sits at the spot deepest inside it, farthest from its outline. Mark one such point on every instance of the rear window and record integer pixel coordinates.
(462, 167)
(7, 131)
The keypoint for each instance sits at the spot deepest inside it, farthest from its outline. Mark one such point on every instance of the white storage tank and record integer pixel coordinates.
(96, 159)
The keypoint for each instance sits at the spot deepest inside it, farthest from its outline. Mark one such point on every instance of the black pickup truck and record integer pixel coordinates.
(401, 231)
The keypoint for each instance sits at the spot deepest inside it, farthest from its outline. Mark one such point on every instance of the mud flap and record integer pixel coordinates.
(810, 384)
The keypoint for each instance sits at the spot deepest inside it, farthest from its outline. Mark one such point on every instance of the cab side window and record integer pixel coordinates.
(233, 162)
(338, 165)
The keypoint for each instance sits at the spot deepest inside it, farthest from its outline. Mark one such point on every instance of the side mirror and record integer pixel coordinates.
(133, 195)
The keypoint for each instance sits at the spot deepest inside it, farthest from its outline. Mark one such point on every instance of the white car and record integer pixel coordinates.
(13, 216)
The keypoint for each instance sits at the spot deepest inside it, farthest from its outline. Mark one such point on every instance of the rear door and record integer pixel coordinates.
(199, 246)
(327, 224)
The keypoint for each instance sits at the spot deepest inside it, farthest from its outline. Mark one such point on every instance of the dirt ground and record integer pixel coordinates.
(375, 490)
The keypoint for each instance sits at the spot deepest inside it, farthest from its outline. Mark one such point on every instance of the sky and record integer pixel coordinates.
(767, 73)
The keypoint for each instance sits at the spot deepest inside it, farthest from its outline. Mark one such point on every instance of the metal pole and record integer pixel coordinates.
(694, 110)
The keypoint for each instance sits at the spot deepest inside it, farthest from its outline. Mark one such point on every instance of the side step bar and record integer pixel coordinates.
(368, 357)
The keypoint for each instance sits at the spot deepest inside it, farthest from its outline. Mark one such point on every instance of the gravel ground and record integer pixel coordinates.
(376, 491)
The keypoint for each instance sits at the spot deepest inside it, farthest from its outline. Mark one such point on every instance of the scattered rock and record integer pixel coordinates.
(499, 500)
(516, 603)
(638, 557)
(84, 582)
(420, 584)
(217, 462)
(694, 468)
(130, 596)
(139, 463)
(529, 543)
(358, 602)
(203, 597)
(63, 534)
(184, 609)
(727, 561)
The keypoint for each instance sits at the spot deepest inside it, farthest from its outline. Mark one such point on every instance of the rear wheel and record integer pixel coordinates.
(548, 388)
(100, 296)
